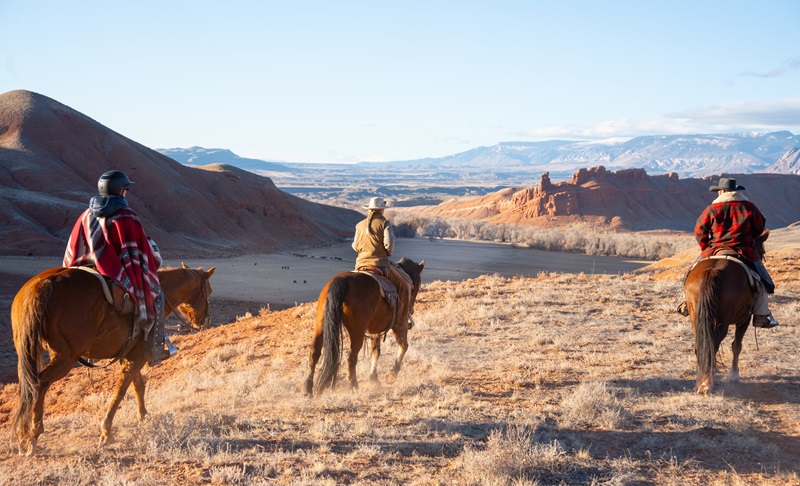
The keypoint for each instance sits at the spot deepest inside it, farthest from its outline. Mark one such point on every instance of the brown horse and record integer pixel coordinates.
(718, 295)
(353, 301)
(64, 311)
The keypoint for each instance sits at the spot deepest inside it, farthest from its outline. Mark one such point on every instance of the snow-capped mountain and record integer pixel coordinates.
(789, 163)
(687, 155)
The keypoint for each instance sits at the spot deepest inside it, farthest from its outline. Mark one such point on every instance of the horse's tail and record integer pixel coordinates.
(332, 332)
(28, 313)
(705, 326)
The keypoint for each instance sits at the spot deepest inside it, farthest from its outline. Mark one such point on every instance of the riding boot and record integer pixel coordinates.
(159, 339)
(762, 317)
(762, 272)
(682, 309)
(764, 322)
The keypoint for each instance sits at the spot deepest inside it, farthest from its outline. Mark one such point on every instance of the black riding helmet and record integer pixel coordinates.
(112, 182)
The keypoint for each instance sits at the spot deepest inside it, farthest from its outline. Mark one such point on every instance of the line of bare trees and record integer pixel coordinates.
(582, 238)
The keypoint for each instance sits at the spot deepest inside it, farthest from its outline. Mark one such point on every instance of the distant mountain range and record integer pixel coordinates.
(686, 155)
(199, 156)
(513, 163)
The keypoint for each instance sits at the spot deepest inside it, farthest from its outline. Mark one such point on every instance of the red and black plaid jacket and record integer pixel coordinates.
(731, 224)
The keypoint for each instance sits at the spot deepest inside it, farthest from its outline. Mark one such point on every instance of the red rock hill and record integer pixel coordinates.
(51, 157)
(627, 199)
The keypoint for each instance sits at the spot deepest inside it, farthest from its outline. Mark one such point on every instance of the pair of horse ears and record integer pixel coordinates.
(209, 273)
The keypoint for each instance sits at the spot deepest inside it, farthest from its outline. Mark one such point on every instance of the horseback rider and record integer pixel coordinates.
(109, 237)
(374, 238)
(733, 222)
(374, 243)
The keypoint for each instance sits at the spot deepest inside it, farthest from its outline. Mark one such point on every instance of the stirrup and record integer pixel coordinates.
(682, 309)
(170, 347)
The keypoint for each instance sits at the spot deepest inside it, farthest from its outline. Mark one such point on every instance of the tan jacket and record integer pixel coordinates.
(374, 243)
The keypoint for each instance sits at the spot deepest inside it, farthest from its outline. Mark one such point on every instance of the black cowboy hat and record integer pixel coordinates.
(726, 184)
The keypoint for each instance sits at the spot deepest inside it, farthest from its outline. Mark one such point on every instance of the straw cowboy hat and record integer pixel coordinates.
(376, 203)
(726, 184)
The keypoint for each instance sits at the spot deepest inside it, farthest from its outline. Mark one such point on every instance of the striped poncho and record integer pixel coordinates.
(110, 237)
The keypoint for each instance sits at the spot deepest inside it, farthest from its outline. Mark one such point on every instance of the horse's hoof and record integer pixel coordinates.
(734, 378)
(390, 377)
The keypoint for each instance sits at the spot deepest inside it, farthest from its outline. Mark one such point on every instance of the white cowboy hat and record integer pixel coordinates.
(376, 203)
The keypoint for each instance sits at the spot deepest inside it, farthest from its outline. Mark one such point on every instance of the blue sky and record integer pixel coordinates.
(313, 81)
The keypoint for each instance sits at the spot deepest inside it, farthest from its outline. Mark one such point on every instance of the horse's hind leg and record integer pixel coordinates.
(374, 355)
(138, 390)
(402, 347)
(125, 378)
(313, 358)
(736, 347)
(352, 360)
(58, 368)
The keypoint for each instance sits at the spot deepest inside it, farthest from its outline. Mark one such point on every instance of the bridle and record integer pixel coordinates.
(201, 293)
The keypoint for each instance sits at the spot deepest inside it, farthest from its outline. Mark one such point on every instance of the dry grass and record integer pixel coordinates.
(558, 379)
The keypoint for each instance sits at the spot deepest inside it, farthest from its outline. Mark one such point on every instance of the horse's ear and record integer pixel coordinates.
(765, 235)
(210, 272)
(421, 265)
(183, 265)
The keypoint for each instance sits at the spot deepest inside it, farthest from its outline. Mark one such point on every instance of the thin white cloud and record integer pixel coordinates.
(724, 118)
(788, 65)
(777, 114)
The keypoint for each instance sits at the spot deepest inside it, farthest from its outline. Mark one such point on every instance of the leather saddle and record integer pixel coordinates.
(116, 295)
(388, 289)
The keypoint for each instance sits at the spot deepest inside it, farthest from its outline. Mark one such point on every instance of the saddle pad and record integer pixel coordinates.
(104, 284)
(752, 276)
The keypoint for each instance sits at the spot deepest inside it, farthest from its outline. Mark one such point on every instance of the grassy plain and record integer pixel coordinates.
(552, 379)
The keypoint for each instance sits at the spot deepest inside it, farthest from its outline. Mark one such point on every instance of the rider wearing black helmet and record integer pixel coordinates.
(111, 183)
(109, 237)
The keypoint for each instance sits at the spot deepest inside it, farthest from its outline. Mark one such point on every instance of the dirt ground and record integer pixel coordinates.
(246, 284)
(595, 369)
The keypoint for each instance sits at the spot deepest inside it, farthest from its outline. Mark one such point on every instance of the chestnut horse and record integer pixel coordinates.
(64, 311)
(718, 295)
(353, 301)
